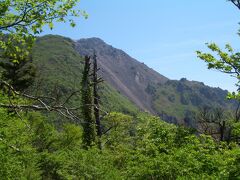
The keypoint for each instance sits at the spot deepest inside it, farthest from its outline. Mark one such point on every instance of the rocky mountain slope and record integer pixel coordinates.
(174, 101)
(123, 72)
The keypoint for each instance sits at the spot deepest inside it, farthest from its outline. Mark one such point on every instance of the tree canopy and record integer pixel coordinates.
(226, 61)
(21, 20)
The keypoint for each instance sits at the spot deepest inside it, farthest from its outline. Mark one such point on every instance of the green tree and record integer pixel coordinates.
(17, 155)
(165, 151)
(20, 75)
(21, 21)
(226, 61)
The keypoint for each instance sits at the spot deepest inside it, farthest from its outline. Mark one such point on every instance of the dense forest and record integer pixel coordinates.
(61, 119)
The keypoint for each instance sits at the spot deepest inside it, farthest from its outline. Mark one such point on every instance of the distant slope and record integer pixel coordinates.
(60, 67)
(183, 98)
(174, 101)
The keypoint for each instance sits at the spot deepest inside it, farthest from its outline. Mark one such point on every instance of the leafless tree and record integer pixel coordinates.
(212, 121)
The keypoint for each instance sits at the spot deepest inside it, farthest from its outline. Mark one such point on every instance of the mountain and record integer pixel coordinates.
(129, 85)
(175, 101)
(59, 71)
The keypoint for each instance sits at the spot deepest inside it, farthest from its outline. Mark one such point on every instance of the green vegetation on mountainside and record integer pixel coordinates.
(182, 99)
(141, 147)
(112, 100)
(59, 70)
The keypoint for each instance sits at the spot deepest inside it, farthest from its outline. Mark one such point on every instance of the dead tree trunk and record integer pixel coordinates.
(96, 81)
(222, 130)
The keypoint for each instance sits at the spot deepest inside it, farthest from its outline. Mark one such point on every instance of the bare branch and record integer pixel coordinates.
(70, 96)
(236, 3)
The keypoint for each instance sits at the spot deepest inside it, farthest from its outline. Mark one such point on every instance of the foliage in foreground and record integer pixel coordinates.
(141, 147)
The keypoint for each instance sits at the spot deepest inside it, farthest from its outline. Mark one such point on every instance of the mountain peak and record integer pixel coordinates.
(88, 46)
(93, 40)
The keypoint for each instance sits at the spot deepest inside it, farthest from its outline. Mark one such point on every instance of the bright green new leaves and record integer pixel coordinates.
(226, 61)
(165, 151)
(29, 17)
(142, 147)
(21, 20)
(17, 155)
(117, 130)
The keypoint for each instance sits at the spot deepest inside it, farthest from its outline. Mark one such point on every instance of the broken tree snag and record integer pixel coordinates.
(96, 96)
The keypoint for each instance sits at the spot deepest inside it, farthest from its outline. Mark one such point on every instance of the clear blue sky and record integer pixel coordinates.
(164, 34)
